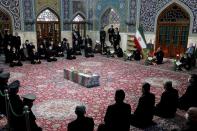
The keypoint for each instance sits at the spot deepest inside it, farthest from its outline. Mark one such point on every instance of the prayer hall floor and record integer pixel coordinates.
(58, 97)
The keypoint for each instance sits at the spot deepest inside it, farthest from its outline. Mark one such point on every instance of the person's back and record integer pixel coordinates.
(145, 107)
(117, 117)
(144, 112)
(169, 101)
(189, 98)
(82, 123)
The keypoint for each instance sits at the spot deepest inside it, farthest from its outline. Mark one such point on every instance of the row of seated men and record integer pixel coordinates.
(45, 51)
(118, 116)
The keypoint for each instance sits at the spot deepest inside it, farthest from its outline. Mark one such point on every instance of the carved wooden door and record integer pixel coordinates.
(172, 31)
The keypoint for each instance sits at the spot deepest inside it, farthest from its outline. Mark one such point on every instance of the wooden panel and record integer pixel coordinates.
(5, 22)
(49, 31)
(172, 31)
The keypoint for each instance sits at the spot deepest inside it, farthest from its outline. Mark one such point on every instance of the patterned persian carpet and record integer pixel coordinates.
(57, 97)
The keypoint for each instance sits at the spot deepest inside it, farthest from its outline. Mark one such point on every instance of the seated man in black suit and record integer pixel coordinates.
(159, 56)
(70, 52)
(183, 63)
(50, 54)
(24, 52)
(144, 112)
(15, 58)
(42, 51)
(119, 51)
(169, 102)
(82, 123)
(88, 47)
(189, 99)
(8, 52)
(59, 51)
(77, 47)
(137, 55)
(117, 117)
(35, 57)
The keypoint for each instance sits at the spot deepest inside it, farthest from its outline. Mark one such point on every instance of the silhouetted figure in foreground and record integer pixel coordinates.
(189, 99)
(4, 77)
(144, 112)
(17, 106)
(117, 117)
(82, 123)
(169, 101)
(28, 101)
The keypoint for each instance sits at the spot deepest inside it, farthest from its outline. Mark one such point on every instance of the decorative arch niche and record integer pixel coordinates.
(48, 26)
(5, 22)
(110, 17)
(172, 32)
(79, 22)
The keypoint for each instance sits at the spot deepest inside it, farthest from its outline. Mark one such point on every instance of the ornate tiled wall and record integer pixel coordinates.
(132, 15)
(90, 14)
(120, 6)
(66, 14)
(53, 4)
(79, 6)
(149, 9)
(28, 15)
(13, 7)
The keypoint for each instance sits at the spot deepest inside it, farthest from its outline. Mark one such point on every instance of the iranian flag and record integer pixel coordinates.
(140, 39)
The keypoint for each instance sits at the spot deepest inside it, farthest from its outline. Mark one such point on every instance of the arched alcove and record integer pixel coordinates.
(172, 32)
(110, 17)
(79, 22)
(48, 26)
(5, 22)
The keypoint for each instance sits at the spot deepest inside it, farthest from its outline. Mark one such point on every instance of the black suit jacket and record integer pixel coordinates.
(117, 117)
(81, 124)
(145, 108)
(169, 102)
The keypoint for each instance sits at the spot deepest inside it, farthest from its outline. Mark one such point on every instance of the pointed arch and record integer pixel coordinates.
(180, 4)
(8, 16)
(110, 16)
(48, 26)
(173, 25)
(48, 14)
(80, 16)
